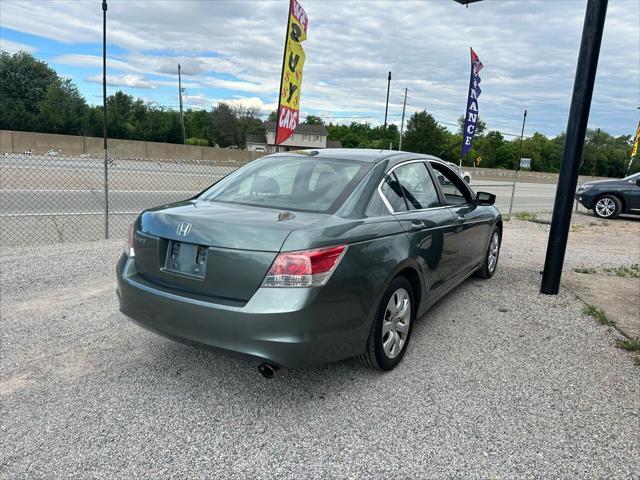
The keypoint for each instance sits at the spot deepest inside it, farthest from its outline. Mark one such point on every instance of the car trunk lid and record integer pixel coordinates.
(212, 249)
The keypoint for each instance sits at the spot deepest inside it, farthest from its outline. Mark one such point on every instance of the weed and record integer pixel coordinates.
(598, 314)
(629, 345)
(524, 216)
(631, 271)
(585, 270)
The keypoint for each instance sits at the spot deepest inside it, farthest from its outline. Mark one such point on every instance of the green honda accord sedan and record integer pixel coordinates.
(307, 257)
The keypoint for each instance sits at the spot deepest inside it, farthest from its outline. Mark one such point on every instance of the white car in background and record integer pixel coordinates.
(463, 173)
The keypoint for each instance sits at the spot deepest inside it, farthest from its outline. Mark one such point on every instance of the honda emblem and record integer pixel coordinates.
(183, 229)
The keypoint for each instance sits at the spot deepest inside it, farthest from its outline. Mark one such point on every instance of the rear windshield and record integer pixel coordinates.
(291, 183)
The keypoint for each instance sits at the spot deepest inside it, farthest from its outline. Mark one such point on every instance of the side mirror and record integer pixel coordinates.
(485, 198)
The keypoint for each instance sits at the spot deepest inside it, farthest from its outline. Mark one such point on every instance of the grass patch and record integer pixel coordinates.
(598, 314)
(525, 216)
(589, 270)
(626, 271)
(629, 345)
(632, 346)
(631, 271)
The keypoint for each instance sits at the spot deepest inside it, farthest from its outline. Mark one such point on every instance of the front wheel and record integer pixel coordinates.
(490, 264)
(607, 206)
(391, 329)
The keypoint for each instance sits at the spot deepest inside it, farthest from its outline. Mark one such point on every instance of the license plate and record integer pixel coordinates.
(186, 259)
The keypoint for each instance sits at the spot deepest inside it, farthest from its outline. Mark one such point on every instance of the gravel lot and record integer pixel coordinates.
(499, 382)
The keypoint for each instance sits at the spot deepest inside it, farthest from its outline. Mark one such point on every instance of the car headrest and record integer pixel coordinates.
(265, 186)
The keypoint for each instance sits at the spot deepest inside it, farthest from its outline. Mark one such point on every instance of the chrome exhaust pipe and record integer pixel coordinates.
(269, 371)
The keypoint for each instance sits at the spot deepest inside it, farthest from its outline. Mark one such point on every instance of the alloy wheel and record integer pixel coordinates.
(494, 249)
(395, 325)
(605, 207)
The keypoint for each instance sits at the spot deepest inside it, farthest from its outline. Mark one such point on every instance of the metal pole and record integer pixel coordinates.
(104, 118)
(386, 109)
(284, 59)
(576, 127)
(595, 157)
(513, 187)
(184, 136)
(404, 106)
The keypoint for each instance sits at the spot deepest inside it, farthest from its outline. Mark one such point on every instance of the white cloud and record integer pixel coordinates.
(13, 47)
(229, 48)
(133, 81)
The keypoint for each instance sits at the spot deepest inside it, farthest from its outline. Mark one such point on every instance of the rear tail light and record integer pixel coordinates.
(308, 268)
(128, 246)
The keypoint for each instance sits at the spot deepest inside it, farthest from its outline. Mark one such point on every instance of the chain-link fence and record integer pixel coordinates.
(55, 199)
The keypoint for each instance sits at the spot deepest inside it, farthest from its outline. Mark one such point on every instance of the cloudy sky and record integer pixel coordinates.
(232, 51)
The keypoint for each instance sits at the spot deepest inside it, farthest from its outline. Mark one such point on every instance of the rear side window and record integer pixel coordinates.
(291, 183)
(391, 190)
(417, 186)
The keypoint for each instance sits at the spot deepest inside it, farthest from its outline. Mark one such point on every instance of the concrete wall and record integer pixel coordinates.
(70, 145)
(523, 175)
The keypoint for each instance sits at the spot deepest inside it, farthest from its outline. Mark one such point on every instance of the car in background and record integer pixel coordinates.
(308, 257)
(610, 198)
(463, 173)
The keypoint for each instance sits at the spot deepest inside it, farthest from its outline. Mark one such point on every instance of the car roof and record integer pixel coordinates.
(367, 155)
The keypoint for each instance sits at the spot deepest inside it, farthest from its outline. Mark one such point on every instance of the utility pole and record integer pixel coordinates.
(104, 118)
(595, 157)
(513, 188)
(592, 29)
(404, 106)
(184, 136)
(386, 109)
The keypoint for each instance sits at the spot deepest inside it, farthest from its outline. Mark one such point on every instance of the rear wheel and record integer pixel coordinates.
(391, 329)
(607, 206)
(490, 264)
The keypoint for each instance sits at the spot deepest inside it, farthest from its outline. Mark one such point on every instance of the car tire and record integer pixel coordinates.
(607, 206)
(390, 333)
(490, 263)
(467, 179)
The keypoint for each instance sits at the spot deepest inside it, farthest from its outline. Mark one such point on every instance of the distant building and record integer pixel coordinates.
(304, 137)
(256, 143)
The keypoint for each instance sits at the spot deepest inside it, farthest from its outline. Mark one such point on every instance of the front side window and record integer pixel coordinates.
(417, 186)
(452, 186)
(291, 183)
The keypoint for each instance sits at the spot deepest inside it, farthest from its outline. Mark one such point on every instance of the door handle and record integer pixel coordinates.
(416, 225)
(460, 218)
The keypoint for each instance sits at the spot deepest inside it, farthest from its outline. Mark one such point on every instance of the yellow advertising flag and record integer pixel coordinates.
(291, 81)
(634, 149)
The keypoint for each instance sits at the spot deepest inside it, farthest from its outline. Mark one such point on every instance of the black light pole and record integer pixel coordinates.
(513, 189)
(574, 143)
(386, 109)
(184, 136)
(104, 117)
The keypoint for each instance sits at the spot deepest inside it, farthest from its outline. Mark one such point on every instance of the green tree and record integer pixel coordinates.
(24, 83)
(424, 135)
(62, 110)
(223, 125)
(313, 120)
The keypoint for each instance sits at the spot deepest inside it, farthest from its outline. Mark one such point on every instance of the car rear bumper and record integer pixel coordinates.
(290, 327)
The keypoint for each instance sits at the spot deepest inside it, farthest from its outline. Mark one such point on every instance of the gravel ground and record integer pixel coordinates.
(499, 382)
